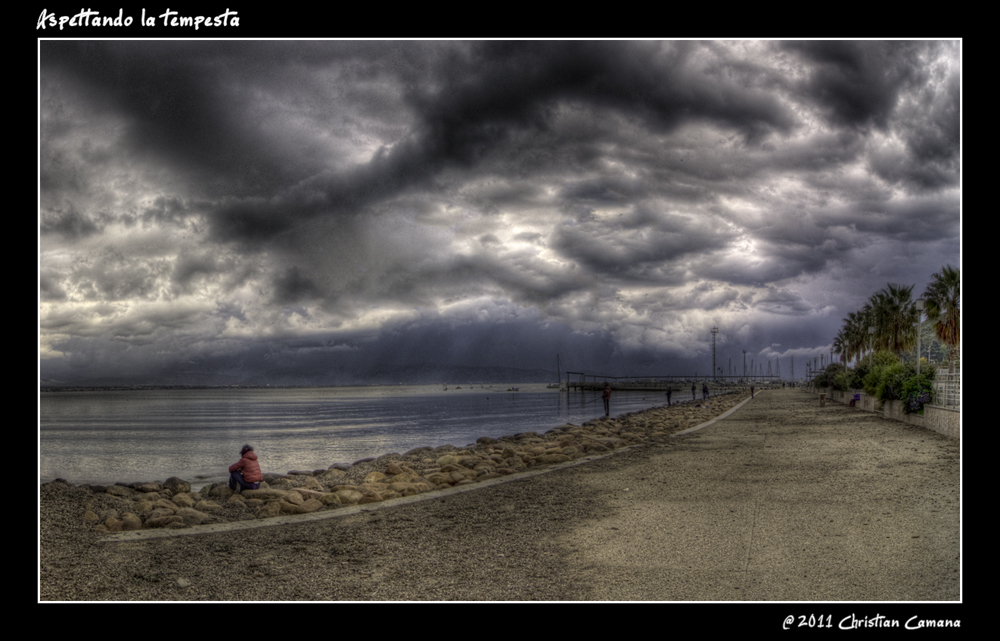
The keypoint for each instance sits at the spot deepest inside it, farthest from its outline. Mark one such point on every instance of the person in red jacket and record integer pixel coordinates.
(245, 474)
(607, 399)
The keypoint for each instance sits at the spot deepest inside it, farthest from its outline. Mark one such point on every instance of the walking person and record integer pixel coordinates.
(704, 391)
(607, 399)
(668, 396)
(245, 473)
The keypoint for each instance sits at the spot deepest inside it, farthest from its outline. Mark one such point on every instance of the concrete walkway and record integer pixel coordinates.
(782, 500)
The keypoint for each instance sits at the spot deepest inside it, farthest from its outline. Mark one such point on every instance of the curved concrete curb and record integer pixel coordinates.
(212, 528)
(717, 418)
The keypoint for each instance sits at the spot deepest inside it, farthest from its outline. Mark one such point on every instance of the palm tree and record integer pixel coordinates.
(840, 345)
(943, 300)
(856, 334)
(895, 318)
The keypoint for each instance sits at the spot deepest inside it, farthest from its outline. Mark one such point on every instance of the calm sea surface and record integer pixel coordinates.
(105, 437)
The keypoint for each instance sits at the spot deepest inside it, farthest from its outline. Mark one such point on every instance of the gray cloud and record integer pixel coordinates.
(327, 210)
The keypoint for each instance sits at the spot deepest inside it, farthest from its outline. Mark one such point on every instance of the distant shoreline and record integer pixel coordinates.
(133, 388)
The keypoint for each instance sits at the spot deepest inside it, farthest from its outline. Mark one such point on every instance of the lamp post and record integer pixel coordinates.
(920, 309)
(871, 337)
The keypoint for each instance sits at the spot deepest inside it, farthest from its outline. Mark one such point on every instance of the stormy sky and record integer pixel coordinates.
(323, 212)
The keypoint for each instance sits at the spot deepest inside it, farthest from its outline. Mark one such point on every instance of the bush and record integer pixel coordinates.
(827, 378)
(885, 379)
(894, 378)
(918, 390)
(843, 380)
(857, 377)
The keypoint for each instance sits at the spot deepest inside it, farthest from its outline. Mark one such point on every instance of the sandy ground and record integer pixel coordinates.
(780, 501)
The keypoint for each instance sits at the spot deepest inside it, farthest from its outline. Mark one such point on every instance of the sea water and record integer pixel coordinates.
(103, 437)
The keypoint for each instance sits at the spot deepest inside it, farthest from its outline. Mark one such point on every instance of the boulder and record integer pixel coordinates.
(220, 492)
(205, 505)
(183, 500)
(417, 450)
(165, 504)
(349, 497)
(330, 499)
(332, 476)
(307, 494)
(192, 516)
(312, 484)
(269, 510)
(439, 478)
(121, 490)
(177, 485)
(131, 521)
(310, 505)
(164, 521)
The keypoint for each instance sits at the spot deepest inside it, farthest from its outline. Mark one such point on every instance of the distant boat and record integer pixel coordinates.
(558, 375)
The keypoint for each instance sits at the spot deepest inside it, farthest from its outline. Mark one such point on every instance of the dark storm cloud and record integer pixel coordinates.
(69, 222)
(470, 111)
(251, 207)
(858, 83)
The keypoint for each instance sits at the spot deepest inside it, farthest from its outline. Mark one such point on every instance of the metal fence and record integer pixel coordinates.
(948, 388)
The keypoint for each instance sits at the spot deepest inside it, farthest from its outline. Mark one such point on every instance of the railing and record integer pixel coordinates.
(948, 388)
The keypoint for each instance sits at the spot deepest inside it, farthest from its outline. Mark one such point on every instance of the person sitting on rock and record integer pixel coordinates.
(245, 473)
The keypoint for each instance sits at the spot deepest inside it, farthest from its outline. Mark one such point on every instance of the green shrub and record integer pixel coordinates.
(894, 378)
(843, 379)
(918, 390)
(828, 377)
(858, 376)
(884, 380)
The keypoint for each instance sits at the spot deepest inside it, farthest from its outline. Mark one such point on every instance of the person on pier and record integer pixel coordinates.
(607, 399)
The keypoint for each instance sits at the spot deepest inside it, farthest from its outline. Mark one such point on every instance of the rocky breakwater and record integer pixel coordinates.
(173, 504)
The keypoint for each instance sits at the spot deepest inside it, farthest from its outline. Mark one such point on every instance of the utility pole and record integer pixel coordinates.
(715, 330)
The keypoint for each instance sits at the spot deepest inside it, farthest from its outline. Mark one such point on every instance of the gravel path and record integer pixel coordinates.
(782, 500)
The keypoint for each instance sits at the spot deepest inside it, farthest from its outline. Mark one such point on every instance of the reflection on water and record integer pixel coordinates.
(104, 437)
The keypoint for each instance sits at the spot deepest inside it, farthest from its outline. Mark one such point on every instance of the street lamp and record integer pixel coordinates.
(871, 337)
(920, 318)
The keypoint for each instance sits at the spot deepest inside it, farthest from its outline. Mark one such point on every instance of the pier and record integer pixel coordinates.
(588, 381)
